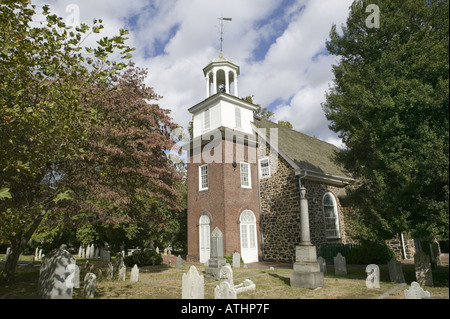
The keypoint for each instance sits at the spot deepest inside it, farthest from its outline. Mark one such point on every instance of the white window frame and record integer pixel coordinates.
(249, 176)
(261, 173)
(336, 218)
(201, 186)
(207, 120)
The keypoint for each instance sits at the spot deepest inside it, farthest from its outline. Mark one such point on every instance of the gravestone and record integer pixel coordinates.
(40, 254)
(416, 292)
(226, 274)
(396, 271)
(8, 250)
(224, 291)
(323, 264)
(134, 276)
(110, 271)
(36, 254)
(122, 272)
(119, 260)
(423, 269)
(90, 283)
(216, 260)
(340, 265)
(236, 260)
(178, 262)
(55, 277)
(192, 285)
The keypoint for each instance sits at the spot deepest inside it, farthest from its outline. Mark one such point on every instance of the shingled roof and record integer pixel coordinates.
(308, 153)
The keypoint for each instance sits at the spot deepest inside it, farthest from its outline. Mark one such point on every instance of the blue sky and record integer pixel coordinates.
(279, 45)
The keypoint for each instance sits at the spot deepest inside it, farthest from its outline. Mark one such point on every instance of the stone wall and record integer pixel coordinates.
(280, 211)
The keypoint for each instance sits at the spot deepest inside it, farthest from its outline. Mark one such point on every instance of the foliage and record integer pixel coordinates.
(143, 258)
(370, 253)
(390, 106)
(82, 140)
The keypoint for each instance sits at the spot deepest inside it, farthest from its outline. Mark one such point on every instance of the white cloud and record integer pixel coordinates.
(175, 39)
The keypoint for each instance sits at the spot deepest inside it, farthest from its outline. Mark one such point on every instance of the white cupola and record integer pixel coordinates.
(221, 75)
(222, 108)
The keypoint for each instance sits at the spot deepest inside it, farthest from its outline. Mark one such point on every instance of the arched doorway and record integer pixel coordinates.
(249, 242)
(204, 238)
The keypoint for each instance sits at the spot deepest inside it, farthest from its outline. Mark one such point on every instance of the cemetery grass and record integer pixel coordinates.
(164, 282)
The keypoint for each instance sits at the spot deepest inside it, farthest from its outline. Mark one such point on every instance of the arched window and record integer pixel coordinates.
(249, 244)
(330, 212)
(237, 117)
(204, 238)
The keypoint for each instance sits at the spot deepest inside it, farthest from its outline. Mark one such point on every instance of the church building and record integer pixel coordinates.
(244, 176)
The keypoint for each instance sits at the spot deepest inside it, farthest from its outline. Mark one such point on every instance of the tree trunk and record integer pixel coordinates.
(18, 245)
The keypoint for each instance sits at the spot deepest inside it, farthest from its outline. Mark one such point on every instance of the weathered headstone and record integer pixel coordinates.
(83, 253)
(178, 262)
(119, 260)
(224, 291)
(8, 250)
(36, 254)
(216, 260)
(323, 264)
(40, 254)
(122, 272)
(226, 274)
(192, 285)
(396, 271)
(423, 269)
(55, 277)
(416, 292)
(247, 285)
(90, 283)
(110, 271)
(92, 251)
(236, 260)
(134, 276)
(340, 265)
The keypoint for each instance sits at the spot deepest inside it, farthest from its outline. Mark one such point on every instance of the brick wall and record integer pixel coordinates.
(223, 202)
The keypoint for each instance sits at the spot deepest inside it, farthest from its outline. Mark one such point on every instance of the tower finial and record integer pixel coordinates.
(221, 33)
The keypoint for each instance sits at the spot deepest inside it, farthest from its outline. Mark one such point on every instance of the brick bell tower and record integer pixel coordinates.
(222, 171)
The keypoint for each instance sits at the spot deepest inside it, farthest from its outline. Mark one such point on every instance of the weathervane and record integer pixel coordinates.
(222, 19)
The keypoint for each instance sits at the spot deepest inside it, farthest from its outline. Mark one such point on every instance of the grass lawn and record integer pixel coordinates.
(164, 282)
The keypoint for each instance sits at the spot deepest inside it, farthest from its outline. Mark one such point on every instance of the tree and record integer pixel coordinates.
(390, 106)
(73, 120)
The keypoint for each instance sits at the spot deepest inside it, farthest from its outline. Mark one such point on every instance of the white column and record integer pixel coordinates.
(235, 84)
(305, 238)
(227, 82)
(207, 86)
(214, 82)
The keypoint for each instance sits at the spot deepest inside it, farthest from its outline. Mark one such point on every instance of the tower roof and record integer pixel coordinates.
(221, 61)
